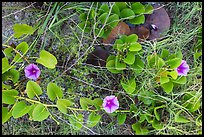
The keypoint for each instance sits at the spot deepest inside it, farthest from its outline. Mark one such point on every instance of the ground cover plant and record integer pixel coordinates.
(102, 68)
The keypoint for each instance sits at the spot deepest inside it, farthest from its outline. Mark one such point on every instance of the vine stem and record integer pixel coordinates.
(71, 108)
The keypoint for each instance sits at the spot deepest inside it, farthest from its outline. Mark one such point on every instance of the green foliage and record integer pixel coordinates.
(139, 130)
(20, 109)
(21, 29)
(33, 89)
(40, 113)
(63, 104)
(76, 121)
(47, 59)
(53, 91)
(5, 65)
(6, 114)
(8, 96)
(121, 118)
(129, 86)
(180, 119)
(93, 119)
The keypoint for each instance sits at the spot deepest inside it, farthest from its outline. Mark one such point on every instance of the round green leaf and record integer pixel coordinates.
(180, 80)
(164, 80)
(20, 109)
(168, 87)
(5, 65)
(46, 59)
(54, 91)
(129, 86)
(115, 10)
(110, 65)
(82, 25)
(135, 47)
(40, 113)
(119, 65)
(113, 20)
(121, 118)
(12, 74)
(103, 17)
(164, 53)
(180, 119)
(131, 38)
(148, 9)
(5, 115)
(138, 65)
(130, 58)
(23, 47)
(157, 125)
(174, 63)
(173, 74)
(76, 121)
(104, 8)
(8, 96)
(20, 29)
(138, 8)
(33, 89)
(137, 20)
(93, 119)
(139, 130)
(83, 17)
(121, 5)
(63, 104)
(146, 97)
(127, 13)
(8, 52)
(97, 102)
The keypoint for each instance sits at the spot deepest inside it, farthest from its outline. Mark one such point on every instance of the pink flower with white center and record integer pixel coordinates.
(32, 71)
(183, 69)
(110, 104)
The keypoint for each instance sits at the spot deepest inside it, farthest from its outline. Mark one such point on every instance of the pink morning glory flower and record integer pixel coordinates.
(110, 104)
(32, 71)
(183, 69)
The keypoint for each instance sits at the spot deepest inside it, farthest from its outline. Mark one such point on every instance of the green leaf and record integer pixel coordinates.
(180, 80)
(164, 53)
(40, 113)
(20, 109)
(149, 118)
(197, 55)
(121, 5)
(23, 47)
(161, 62)
(103, 17)
(97, 32)
(139, 130)
(121, 118)
(148, 9)
(83, 17)
(4, 86)
(46, 59)
(93, 119)
(127, 13)
(156, 113)
(115, 10)
(157, 125)
(130, 58)
(138, 8)
(12, 74)
(173, 74)
(119, 65)
(180, 119)
(133, 108)
(5, 65)
(84, 102)
(30, 112)
(138, 20)
(33, 89)
(110, 65)
(124, 37)
(135, 47)
(20, 29)
(119, 45)
(54, 91)
(179, 54)
(142, 118)
(111, 57)
(63, 104)
(76, 121)
(8, 51)
(113, 20)
(152, 60)
(164, 80)
(168, 87)
(82, 25)
(5, 115)
(192, 101)
(97, 102)
(104, 8)
(129, 86)
(174, 63)
(8, 96)
(18, 58)
(138, 65)
(131, 38)
(146, 97)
